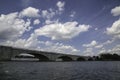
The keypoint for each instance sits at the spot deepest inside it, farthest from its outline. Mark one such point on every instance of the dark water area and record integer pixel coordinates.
(94, 70)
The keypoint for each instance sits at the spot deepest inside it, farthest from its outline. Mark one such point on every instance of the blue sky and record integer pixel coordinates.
(82, 27)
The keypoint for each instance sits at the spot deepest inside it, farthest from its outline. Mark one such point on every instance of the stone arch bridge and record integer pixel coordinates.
(7, 53)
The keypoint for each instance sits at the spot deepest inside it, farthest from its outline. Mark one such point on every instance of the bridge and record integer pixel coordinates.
(7, 53)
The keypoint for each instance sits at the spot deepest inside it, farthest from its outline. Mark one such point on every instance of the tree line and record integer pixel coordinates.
(102, 57)
(108, 56)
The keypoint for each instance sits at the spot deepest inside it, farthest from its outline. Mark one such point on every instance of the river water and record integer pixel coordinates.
(94, 70)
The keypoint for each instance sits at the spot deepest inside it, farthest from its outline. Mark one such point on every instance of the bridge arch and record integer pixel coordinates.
(80, 59)
(24, 55)
(64, 58)
(41, 57)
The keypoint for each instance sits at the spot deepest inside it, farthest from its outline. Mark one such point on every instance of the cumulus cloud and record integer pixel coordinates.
(30, 43)
(114, 30)
(92, 44)
(36, 21)
(59, 31)
(96, 29)
(30, 12)
(17, 43)
(109, 41)
(14, 25)
(48, 13)
(72, 14)
(33, 43)
(99, 46)
(60, 5)
(116, 49)
(103, 50)
(60, 48)
(116, 11)
(50, 21)
(88, 52)
(11, 26)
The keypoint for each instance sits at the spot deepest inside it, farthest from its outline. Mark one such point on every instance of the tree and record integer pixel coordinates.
(108, 56)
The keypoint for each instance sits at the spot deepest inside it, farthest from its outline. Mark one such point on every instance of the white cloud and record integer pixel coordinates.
(48, 13)
(60, 48)
(72, 14)
(44, 13)
(96, 29)
(30, 12)
(116, 49)
(103, 50)
(59, 31)
(48, 21)
(88, 52)
(17, 43)
(99, 46)
(108, 42)
(92, 44)
(60, 5)
(116, 11)
(36, 21)
(95, 48)
(11, 26)
(33, 43)
(114, 30)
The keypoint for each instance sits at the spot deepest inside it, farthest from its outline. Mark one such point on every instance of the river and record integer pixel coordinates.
(89, 70)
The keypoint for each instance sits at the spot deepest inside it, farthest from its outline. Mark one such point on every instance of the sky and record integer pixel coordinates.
(78, 27)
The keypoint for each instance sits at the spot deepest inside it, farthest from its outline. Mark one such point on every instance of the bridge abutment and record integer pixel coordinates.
(5, 53)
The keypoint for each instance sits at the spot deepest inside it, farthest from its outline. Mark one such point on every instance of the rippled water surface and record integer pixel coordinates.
(108, 70)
